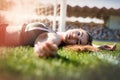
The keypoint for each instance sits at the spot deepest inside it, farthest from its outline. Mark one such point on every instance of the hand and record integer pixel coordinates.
(108, 47)
(45, 49)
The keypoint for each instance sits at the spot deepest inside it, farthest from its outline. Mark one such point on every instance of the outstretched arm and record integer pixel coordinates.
(47, 44)
(91, 47)
(82, 48)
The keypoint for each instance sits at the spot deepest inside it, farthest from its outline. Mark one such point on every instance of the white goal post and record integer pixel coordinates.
(62, 21)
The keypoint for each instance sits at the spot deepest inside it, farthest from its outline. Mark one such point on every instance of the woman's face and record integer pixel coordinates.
(76, 36)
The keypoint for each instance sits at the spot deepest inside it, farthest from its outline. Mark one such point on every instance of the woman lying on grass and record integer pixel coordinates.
(46, 41)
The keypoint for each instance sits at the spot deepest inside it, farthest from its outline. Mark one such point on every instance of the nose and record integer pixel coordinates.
(74, 36)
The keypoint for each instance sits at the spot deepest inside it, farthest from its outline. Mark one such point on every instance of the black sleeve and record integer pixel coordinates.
(30, 32)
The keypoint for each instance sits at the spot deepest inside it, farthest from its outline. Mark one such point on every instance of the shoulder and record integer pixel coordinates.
(47, 36)
(34, 26)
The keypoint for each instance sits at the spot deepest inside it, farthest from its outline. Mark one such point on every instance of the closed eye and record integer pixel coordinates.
(78, 33)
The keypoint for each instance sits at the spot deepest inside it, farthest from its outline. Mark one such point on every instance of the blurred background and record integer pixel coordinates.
(99, 17)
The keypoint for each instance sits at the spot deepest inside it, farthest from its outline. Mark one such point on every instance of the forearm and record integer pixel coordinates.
(46, 45)
(82, 48)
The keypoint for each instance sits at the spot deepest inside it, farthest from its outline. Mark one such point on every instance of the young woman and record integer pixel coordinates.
(45, 40)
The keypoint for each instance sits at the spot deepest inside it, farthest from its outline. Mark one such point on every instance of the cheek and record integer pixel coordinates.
(71, 42)
(84, 41)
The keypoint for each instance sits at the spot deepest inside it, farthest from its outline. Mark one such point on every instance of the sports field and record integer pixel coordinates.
(20, 63)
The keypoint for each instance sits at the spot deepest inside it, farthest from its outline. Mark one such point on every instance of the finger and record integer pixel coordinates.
(52, 47)
(114, 46)
(39, 51)
(108, 48)
(40, 55)
(46, 50)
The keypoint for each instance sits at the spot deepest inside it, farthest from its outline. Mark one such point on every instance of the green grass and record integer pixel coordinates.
(20, 63)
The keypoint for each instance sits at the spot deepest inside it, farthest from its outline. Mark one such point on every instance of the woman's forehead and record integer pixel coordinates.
(76, 30)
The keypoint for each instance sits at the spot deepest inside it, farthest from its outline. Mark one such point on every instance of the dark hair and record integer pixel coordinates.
(90, 39)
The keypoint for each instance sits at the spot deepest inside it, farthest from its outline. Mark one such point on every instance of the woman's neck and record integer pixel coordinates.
(62, 35)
